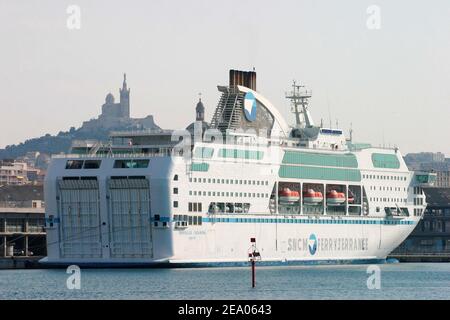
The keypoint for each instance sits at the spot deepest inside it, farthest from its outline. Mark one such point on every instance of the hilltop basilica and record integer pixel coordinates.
(117, 115)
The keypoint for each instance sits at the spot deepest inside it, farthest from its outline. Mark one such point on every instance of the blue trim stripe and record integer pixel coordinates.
(298, 221)
(309, 221)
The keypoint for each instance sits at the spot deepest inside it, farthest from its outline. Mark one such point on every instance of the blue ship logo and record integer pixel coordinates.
(312, 244)
(250, 107)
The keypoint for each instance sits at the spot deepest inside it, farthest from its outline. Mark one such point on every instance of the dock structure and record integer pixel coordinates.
(22, 232)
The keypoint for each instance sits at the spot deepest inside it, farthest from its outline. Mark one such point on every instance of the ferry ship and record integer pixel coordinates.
(303, 193)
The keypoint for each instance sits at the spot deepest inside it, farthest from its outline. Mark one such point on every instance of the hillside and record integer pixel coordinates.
(61, 142)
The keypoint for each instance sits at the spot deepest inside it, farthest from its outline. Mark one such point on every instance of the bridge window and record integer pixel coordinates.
(92, 164)
(131, 164)
(74, 164)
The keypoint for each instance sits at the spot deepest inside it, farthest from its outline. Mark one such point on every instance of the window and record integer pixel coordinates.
(175, 190)
(190, 206)
(130, 164)
(175, 177)
(74, 164)
(175, 204)
(195, 207)
(92, 164)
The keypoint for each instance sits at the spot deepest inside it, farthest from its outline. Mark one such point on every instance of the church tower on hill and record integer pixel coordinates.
(125, 98)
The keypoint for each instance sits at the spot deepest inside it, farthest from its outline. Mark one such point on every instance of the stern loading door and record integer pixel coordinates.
(129, 216)
(79, 210)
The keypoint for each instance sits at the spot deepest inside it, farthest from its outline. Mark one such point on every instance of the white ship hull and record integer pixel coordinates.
(338, 241)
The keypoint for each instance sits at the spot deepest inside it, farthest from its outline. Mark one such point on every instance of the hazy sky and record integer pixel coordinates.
(392, 82)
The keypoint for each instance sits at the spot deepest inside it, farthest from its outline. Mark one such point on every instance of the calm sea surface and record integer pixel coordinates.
(398, 281)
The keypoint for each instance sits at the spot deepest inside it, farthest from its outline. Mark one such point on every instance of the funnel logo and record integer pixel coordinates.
(312, 244)
(250, 106)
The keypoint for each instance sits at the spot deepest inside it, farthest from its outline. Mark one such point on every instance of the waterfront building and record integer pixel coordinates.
(22, 221)
(430, 240)
(431, 162)
(13, 173)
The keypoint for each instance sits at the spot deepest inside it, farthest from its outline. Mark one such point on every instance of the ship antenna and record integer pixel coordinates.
(299, 99)
(351, 132)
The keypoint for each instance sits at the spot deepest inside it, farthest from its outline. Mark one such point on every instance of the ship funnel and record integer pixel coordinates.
(243, 78)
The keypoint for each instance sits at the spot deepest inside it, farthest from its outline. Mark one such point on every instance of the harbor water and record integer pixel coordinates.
(397, 281)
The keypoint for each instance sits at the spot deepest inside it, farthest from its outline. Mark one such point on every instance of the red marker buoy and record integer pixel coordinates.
(253, 255)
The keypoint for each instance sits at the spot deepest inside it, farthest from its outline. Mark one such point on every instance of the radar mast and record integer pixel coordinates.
(299, 97)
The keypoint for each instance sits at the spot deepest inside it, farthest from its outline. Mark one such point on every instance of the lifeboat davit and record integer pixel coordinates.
(351, 198)
(335, 198)
(287, 195)
(312, 197)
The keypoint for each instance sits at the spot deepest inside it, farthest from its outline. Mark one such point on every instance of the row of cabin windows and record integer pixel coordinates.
(418, 201)
(228, 207)
(382, 177)
(387, 188)
(229, 194)
(230, 181)
(191, 220)
(417, 212)
(396, 200)
(195, 207)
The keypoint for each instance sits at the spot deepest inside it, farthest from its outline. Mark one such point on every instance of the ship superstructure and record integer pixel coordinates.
(304, 192)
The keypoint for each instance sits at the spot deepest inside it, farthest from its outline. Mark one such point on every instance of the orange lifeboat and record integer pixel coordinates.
(312, 197)
(335, 198)
(287, 195)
